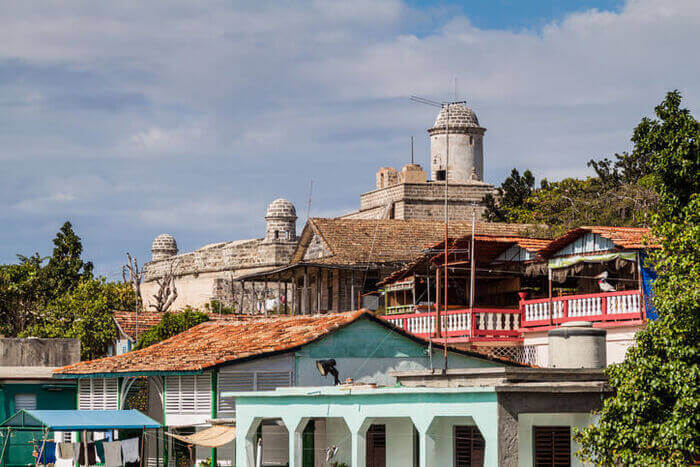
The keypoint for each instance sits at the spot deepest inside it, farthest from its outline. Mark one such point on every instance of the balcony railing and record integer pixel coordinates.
(602, 307)
(488, 323)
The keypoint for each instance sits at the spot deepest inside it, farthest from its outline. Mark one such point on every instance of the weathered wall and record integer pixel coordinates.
(207, 273)
(424, 201)
(466, 154)
(367, 352)
(39, 352)
(512, 405)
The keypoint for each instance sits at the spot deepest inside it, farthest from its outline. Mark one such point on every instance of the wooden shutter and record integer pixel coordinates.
(376, 446)
(188, 394)
(233, 381)
(552, 445)
(271, 380)
(469, 446)
(98, 394)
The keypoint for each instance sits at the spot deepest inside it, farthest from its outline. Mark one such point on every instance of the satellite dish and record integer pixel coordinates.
(327, 367)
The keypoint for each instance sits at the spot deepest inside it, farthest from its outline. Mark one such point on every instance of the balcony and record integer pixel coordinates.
(606, 309)
(489, 324)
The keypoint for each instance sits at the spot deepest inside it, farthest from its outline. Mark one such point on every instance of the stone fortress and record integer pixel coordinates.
(409, 194)
(210, 272)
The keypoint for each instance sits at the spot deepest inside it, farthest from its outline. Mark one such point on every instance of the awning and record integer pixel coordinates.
(75, 420)
(213, 437)
(557, 263)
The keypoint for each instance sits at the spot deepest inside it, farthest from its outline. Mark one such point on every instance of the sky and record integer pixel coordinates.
(134, 118)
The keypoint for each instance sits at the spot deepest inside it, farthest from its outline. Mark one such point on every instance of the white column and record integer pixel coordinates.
(426, 441)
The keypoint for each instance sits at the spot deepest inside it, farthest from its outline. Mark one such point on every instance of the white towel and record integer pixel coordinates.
(62, 462)
(113, 454)
(130, 450)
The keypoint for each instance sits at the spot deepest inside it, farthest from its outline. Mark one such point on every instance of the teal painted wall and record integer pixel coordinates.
(367, 352)
(49, 396)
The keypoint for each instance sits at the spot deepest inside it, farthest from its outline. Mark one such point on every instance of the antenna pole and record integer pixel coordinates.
(411, 149)
(308, 206)
(447, 168)
(472, 278)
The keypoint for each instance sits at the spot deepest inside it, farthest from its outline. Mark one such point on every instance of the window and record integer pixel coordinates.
(25, 401)
(98, 394)
(376, 446)
(230, 381)
(277, 234)
(469, 446)
(188, 394)
(440, 175)
(552, 445)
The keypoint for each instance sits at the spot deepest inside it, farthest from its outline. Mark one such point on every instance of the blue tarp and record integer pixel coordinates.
(75, 420)
(648, 278)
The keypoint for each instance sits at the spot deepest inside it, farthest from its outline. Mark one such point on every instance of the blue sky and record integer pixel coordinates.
(131, 119)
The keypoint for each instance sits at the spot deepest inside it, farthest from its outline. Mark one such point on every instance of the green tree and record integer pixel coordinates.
(170, 325)
(512, 194)
(653, 418)
(66, 267)
(85, 313)
(20, 294)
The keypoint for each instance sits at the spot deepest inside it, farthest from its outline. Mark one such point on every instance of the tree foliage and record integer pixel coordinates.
(653, 418)
(59, 297)
(170, 325)
(85, 313)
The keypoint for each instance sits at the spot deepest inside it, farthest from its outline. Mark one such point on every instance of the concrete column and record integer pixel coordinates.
(426, 441)
(358, 437)
(295, 428)
(489, 430)
(246, 429)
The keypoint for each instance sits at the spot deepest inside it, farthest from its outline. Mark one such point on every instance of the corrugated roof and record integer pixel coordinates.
(362, 241)
(213, 343)
(628, 238)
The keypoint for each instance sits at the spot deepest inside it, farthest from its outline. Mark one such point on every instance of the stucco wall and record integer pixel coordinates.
(39, 352)
(367, 352)
(617, 341)
(513, 416)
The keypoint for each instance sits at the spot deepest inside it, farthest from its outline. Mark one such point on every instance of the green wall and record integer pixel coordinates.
(367, 351)
(49, 396)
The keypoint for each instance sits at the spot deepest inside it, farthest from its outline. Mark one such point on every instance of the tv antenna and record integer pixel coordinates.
(446, 107)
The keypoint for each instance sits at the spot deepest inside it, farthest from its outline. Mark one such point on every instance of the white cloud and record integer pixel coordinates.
(206, 111)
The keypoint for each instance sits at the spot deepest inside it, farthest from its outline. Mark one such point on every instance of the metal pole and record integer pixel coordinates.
(549, 286)
(472, 276)
(85, 448)
(447, 176)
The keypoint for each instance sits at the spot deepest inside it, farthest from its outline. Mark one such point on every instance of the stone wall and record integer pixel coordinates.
(424, 201)
(39, 352)
(199, 274)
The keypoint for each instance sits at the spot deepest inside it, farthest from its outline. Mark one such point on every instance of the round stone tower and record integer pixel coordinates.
(164, 246)
(281, 220)
(466, 145)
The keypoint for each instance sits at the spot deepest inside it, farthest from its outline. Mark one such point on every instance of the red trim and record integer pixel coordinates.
(601, 319)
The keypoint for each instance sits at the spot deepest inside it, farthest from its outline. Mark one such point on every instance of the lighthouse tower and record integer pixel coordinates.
(466, 140)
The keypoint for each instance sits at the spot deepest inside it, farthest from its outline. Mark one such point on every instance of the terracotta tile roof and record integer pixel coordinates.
(213, 343)
(627, 238)
(362, 241)
(126, 320)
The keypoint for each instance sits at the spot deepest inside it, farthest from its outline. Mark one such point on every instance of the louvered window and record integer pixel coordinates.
(230, 381)
(98, 394)
(469, 446)
(188, 394)
(552, 445)
(25, 401)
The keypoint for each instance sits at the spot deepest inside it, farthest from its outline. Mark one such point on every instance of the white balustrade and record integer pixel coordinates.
(622, 304)
(585, 307)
